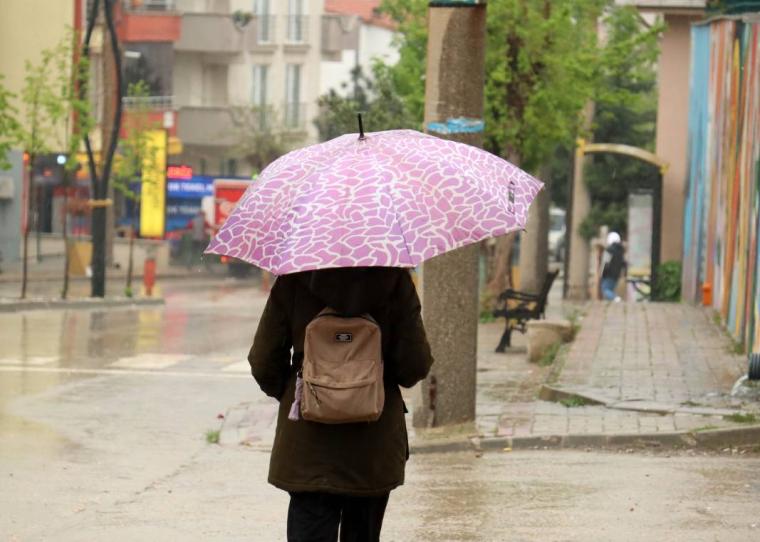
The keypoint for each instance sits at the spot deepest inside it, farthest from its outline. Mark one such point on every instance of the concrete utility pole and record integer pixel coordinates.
(454, 90)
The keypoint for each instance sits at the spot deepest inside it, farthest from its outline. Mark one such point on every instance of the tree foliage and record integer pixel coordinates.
(626, 110)
(376, 98)
(544, 62)
(540, 69)
(135, 149)
(8, 124)
(261, 136)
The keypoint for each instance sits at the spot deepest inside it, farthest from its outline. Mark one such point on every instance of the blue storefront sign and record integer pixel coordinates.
(196, 187)
(183, 199)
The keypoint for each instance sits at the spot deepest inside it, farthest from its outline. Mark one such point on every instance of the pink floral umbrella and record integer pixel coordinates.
(393, 199)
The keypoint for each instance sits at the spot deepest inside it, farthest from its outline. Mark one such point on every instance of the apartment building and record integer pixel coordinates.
(235, 55)
(354, 35)
(207, 62)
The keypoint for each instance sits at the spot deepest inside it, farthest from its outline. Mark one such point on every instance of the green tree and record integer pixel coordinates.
(544, 64)
(260, 135)
(70, 71)
(376, 98)
(135, 152)
(626, 111)
(541, 66)
(51, 115)
(8, 124)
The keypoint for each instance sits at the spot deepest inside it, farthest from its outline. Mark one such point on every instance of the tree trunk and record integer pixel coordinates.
(65, 289)
(29, 207)
(128, 290)
(534, 244)
(112, 86)
(37, 229)
(500, 268)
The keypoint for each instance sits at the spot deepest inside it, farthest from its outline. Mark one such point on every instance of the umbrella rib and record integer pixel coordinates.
(395, 213)
(398, 221)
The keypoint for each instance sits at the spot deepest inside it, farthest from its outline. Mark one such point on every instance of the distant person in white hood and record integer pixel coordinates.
(613, 264)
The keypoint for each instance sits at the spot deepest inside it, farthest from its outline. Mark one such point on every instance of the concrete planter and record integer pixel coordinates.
(542, 334)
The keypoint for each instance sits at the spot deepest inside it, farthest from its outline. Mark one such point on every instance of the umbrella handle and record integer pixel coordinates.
(361, 127)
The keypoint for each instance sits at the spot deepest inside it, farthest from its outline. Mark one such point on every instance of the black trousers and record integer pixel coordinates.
(314, 517)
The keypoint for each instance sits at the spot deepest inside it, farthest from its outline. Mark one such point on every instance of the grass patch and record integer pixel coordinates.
(212, 436)
(704, 428)
(574, 401)
(486, 317)
(741, 418)
(574, 317)
(549, 355)
(737, 347)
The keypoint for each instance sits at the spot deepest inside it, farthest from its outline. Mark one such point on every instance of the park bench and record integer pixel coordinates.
(520, 307)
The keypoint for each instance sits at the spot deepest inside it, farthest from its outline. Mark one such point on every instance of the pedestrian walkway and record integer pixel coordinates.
(634, 369)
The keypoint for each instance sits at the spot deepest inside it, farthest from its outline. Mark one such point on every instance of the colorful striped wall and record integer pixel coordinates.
(722, 212)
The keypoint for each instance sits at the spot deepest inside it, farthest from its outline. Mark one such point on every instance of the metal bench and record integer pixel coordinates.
(520, 307)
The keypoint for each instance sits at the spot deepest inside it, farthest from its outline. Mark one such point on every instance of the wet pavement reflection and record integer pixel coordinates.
(104, 416)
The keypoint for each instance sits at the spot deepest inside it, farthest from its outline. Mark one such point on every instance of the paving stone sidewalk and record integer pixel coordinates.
(658, 368)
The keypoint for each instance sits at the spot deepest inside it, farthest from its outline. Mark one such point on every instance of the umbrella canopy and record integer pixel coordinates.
(392, 199)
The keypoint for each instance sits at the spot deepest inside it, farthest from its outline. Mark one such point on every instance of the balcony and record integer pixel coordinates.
(150, 112)
(265, 29)
(297, 29)
(148, 21)
(216, 33)
(149, 5)
(153, 103)
(206, 126)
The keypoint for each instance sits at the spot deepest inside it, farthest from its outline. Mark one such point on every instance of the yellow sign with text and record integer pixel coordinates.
(153, 186)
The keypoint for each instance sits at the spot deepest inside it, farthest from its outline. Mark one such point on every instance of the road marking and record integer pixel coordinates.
(149, 361)
(119, 372)
(239, 367)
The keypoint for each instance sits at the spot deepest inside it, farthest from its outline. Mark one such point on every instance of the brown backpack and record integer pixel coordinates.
(342, 376)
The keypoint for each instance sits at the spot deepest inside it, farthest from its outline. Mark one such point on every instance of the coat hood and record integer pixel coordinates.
(352, 290)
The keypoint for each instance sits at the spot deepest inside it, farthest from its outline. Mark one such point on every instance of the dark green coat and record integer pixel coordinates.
(350, 459)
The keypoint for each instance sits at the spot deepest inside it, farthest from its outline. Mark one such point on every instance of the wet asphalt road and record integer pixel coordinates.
(103, 418)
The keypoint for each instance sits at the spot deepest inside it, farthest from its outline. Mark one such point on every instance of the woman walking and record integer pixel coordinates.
(339, 475)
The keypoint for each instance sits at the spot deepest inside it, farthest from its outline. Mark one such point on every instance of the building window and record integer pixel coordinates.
(296, 22)
(231, 167)
(263, 21)
(260, 84)
(293, 96)
(259, 94)
(204, 166)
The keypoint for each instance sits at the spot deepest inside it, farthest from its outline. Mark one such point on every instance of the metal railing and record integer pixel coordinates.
(154, 103)
(149, 5)
(297, 29)
(294, 117)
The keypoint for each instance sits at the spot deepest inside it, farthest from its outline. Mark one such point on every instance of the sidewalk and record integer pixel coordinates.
(636, 373)
(45, 280)
(655, 375)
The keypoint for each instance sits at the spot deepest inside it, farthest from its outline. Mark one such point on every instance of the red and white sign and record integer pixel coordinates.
(227, 192)
(179, 172)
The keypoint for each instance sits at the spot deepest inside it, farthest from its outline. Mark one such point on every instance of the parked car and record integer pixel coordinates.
(557, 234)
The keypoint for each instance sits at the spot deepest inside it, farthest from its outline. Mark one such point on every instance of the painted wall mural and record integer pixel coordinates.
(722, 214)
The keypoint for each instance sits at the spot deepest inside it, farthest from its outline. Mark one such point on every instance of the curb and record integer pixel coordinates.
(556, 395)
(43, 277)
(89, 303)
(712, 439)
